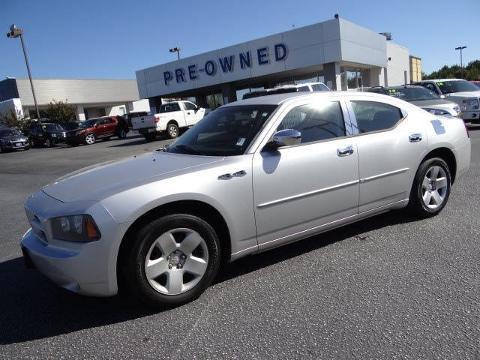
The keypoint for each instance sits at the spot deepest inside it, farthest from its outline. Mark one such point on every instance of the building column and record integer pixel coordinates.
(229, 94)
(332, 75)
(80, 113)
(201, 101)
(375, 77)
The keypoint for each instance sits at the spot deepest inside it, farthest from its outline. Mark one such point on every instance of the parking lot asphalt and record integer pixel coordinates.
(387, 287)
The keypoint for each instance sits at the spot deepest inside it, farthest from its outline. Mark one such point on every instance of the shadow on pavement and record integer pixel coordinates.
(33, 308)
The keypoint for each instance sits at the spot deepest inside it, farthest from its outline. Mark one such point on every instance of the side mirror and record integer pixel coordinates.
(285, 137)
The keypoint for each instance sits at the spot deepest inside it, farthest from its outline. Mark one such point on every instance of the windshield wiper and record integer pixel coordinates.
(185, 149)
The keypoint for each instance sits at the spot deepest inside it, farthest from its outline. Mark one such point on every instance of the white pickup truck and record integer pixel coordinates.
(172, 117)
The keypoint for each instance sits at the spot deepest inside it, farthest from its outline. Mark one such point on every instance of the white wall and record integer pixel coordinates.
(14, 105)
(399, 63)
(142, 105)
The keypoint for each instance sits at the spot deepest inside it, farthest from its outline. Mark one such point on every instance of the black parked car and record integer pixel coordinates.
(47, 134)
(12, 139)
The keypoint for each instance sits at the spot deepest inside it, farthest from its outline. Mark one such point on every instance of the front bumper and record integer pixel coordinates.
(14, 146)
(78, 270)
(471, 116)
(88, 268)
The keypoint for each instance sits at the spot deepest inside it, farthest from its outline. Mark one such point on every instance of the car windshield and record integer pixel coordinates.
(227, 131)
(52, 127)
(412, 93)
(9, 132)
(320, 87)
(88, 123)
(71, 125)
(448, 87)
(477, 84)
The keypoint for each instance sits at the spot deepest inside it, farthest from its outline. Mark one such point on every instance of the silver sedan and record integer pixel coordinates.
(250, 176)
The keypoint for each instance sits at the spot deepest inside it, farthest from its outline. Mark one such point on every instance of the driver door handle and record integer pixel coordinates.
(346, 151)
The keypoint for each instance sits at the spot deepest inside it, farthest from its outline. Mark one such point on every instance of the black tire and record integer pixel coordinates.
(122, 134)
(90, 139)
(172, 130)
(132, 270)
(150, 136)
(416, 204)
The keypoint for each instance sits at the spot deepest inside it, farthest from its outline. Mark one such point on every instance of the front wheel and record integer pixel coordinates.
(431, 188)
(90, 139)
(172, 261)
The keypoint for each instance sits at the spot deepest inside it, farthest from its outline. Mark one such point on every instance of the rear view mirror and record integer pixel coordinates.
(287, 137)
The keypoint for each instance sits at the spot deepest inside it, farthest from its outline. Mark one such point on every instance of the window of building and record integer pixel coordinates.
(316, 121)
(375, 116)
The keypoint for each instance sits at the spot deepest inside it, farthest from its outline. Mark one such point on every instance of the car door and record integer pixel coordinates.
(389, 146)
(100, 128)
(190, 113)
(301, 188)
(110, 126)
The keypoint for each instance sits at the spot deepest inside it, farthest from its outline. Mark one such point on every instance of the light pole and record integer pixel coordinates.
(177, 50)
(14, 33)
(461, 54)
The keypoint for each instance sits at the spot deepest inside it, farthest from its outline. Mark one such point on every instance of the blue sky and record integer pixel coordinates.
(113, 38)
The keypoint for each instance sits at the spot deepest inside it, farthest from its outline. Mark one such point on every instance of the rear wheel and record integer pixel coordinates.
(172, 261)
(431, 188)
(122, 134)
(172, 130)
(150, 136)
(90, 139)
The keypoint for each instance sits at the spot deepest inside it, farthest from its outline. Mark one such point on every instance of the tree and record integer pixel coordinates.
(470, 72)
(60, 112)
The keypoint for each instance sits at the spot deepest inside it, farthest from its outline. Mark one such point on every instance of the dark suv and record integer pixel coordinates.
(89, 131)
(48, 134)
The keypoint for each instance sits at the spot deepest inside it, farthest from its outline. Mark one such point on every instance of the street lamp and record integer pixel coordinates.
(461, 54)
(177, 50)
(14, 33)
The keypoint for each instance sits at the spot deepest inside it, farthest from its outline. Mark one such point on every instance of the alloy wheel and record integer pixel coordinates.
(434, 187)
(90, 139)
(176, 261)
(172, 131)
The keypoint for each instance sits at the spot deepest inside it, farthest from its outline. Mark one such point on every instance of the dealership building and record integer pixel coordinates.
(91, 98)
(343, 55)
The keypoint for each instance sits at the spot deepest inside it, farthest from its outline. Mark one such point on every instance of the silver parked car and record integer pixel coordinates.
(252, 175)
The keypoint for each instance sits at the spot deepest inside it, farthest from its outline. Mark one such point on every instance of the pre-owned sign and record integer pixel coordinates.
(211, 67)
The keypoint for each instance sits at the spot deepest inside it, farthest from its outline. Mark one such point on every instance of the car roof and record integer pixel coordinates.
(278, 99)
(443, 80)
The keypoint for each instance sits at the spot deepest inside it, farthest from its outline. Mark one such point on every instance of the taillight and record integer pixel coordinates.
(157, 119)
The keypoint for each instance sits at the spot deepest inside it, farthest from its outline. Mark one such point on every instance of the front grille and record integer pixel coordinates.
(37, 225)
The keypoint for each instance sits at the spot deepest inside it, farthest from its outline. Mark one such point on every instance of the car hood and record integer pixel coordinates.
(423, 103)
(15, 138)
(99, 181)
(465, 94)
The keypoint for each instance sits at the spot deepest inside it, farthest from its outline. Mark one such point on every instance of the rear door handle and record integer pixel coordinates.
(415, 137)
(346, 151)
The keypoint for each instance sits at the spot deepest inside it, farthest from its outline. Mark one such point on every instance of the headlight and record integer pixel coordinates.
(438, 111)
(80, 228)
(470, 104)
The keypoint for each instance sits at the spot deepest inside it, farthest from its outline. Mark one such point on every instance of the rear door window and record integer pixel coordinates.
(375, 116)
